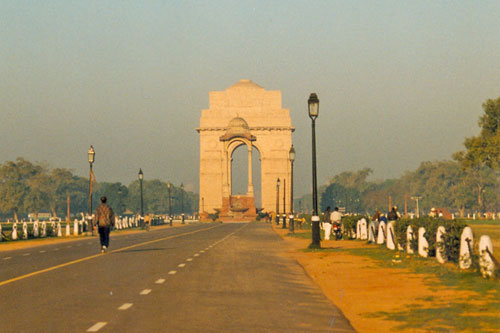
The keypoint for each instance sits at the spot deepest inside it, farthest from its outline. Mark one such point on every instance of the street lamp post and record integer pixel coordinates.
(291, 155)
(416, 198)
(278, 202)
(91, 155)
(141, 177)
(313, 106)
(182, 203)
(169, 185)
(284, 204)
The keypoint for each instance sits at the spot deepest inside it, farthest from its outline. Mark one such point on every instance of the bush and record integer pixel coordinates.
(349, 224)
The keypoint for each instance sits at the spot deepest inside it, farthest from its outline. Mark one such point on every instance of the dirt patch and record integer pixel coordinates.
(370, 295)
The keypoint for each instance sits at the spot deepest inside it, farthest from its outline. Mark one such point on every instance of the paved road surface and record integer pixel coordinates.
(199, 278)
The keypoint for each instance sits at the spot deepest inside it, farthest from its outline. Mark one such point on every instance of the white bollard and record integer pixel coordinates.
(53, 228)
(381, 233)
(14, 231)
(36, 232)
(362, 230)
(486, 262)
(372, 231)
(75, 227)
(44, 229)
(68, 229)
(391, 235)
(466, 246)
(59, 231)
(358, 229)
(409, 239)
(25, 230)
(440, 252)
(423, 244)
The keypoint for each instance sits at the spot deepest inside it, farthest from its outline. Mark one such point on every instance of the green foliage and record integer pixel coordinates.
(349, 224)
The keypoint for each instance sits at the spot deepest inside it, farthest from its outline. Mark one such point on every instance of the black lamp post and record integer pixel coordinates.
(278, 202)
(141, 177)
(169, 203)
(182, 203)
(291, 155)
(91, 154)
(284, 204)
(313, 106)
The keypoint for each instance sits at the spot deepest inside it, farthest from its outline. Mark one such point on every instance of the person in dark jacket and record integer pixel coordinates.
(105, 219)
(393, 214)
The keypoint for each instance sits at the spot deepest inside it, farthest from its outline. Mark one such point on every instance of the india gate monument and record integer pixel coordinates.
(245, 114)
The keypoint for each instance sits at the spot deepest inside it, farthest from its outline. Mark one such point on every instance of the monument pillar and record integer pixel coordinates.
(250, 182)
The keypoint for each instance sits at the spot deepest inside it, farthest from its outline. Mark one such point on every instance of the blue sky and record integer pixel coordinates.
(399, 82)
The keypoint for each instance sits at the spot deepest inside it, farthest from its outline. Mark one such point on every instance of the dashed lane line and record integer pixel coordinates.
(196, 255)
(172, 272)
(145, 292)
(189, 259)
(43, 251)
(160, 281)
(181, 265)
(26, 254)
(202, 251)
(125, 306)
(7, 258)
(21, 277)
(97, 326)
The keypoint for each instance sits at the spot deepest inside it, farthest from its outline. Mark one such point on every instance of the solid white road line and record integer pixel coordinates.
(145, 292)
(160, 281)
(97, 326)
(125, 306)
(181, 265)
(172, 272)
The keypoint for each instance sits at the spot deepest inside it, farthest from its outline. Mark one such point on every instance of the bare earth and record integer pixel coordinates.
(360, 288)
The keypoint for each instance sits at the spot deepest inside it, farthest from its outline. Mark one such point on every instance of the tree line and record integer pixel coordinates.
(469, 182)
(32, 188)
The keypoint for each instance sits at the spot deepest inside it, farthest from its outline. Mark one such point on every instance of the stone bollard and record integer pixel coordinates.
(14, 231)
(25, 230)
(36, 232)
(59, 231)
(391, 236)
(372, 232)
(466, 246)
(68, 229)
(53, 228)
(423, 244)
(381, 233)
(440, 251)
(44, 229)
(409, 239)
(75, 227)
(362, 230)
(486, 259)
(358, 229)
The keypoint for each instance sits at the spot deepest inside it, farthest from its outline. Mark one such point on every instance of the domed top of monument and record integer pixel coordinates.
(245, 84)
(237, 127)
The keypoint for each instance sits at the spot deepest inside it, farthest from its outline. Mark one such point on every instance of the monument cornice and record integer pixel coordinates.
(256, 128)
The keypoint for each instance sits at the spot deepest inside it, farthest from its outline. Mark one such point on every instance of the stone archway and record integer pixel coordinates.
(243, 114)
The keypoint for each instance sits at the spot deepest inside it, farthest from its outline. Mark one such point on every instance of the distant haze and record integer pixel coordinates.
(399, 82)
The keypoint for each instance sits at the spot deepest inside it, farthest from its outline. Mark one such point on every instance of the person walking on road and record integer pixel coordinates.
(105, 219)
(327, 225)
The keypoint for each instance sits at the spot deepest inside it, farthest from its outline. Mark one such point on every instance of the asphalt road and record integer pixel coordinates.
(198, 278)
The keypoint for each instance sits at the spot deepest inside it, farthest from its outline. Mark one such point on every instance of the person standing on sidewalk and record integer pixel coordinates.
(105, 219)
(327, 225)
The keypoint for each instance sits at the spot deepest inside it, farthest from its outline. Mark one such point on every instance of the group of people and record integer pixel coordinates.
(330, 219)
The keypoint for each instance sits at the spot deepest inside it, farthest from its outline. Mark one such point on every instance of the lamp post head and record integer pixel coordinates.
(168, 185)
(291, 154)
(313, 104)
(91, 154)
(141, 174)
(278, 183)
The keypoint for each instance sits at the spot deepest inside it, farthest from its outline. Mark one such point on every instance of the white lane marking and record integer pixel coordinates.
(197, 254)
(160, 281)
(202, 251)
(125, 306)
(26, 254)
(181, 265)
(43, 251)
(7, 258)
(172, 272)
(189, 259)
(207, 249)
(145, 292)
(97, 326)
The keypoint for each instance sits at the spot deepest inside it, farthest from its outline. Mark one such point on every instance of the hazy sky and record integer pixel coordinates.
(399, 82)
